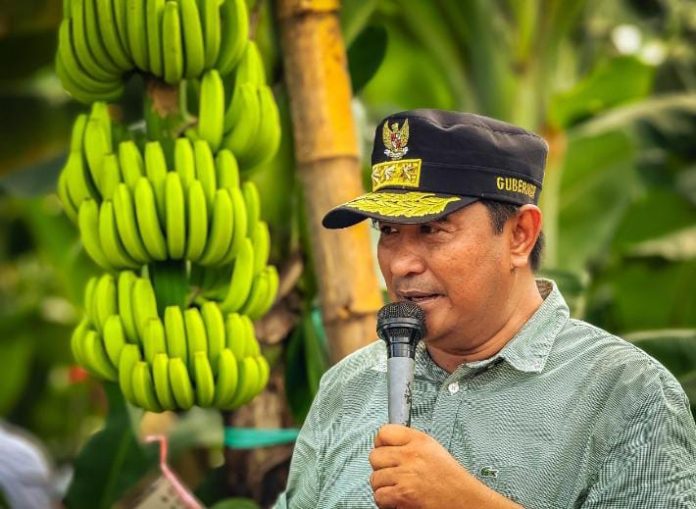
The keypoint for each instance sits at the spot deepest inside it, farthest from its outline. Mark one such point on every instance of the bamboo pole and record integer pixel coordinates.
(326, 150)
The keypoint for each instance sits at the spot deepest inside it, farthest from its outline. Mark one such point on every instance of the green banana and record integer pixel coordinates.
(251, 344)
(248, 382)
(125, 283)
(136, 28)
(273, 283)
(257, 296)
(132, 164)
(172, 46)
(261, 238)
(154, 341)
(110, 240)
(88, 301)
(176, 333)
(267, 137)
(195, 334)
(88, 221)
(227, 170)
(76, 341)
(110, 176)
(160, 375)
(78, 180)
(243, 127)
(100, 113)
(130, 357)
(250, 68)
(156, 172)
(148, 223)
(234, 27)
(215, 331)
(144, 305)
(239, 230)
(193, 38)
(94, 38)
(114, 338)
(175, 216)
(105, 300)
(205, 170)
(180, 383)
(212, 109)
(197, 227)
(68, 205)
(97, 144)
(264, 373)
(253, 204)
(109, 32)
(235, 335)
(203, 376)
(184, 161)
(78, 132)
(154, 10)
(95, 356)
(241, 280)
(210, 12)
(220, 234)
(120, 15)
(144, 388)
(127, 225)
(227, 378)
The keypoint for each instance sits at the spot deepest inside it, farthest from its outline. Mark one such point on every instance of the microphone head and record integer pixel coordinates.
(401, 323)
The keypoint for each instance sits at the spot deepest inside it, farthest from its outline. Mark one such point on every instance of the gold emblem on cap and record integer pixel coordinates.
(404, 173)
(411, 204)
(395, 140)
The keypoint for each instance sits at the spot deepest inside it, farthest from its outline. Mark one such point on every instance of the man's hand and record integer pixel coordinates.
(412, 470)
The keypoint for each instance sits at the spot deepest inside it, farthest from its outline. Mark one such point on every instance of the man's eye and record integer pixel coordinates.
(428, 228)
(386, 230)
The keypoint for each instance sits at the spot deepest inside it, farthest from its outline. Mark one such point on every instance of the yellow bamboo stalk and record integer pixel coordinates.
(326, 149)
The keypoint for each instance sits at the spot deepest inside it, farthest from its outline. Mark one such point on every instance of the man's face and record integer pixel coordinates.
(457, 269)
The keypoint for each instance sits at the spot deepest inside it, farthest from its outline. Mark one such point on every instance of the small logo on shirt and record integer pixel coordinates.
(489, 472)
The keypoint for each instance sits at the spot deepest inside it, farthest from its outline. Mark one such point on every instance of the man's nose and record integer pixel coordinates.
(406, 260)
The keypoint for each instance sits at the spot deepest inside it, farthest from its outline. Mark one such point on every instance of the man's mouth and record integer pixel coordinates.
(420, 298)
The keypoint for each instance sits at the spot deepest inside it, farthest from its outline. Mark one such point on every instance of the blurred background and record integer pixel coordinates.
(610, 85)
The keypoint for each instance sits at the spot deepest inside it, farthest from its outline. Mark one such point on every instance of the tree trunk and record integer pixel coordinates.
(326, 150)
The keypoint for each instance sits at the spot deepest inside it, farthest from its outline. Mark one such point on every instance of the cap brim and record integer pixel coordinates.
(396, 206)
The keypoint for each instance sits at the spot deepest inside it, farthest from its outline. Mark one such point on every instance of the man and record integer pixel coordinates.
(514, 403)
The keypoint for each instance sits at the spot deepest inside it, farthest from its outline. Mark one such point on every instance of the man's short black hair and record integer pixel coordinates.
(500, 212)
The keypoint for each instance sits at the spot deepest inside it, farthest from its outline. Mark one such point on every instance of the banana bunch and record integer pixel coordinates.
(195, 356)
(249, 126)
(100, 41)
(170, 215)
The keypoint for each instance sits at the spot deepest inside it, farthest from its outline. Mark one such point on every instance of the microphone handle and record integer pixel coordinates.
(400, 376)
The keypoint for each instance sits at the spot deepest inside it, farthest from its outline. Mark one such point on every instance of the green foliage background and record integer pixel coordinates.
(611, 85)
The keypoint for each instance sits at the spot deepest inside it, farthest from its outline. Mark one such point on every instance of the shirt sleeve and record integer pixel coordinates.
(303, 488)
(652, 462)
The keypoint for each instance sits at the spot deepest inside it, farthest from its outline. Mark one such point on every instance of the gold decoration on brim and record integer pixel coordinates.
(404, 173)
(395, 140)
(411, 204)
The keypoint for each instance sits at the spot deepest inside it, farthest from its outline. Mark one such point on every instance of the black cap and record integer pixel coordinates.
(429, 163)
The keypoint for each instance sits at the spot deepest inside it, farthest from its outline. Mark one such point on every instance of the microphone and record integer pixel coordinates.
(400, 325)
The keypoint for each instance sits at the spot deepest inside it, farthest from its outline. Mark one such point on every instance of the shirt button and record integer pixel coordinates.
(453, 387)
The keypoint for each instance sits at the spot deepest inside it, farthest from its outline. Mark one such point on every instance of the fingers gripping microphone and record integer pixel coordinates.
(401, 325)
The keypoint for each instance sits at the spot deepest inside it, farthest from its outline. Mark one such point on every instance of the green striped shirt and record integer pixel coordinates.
(564, 416)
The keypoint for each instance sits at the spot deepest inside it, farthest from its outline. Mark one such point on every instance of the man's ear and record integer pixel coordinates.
(525, 228)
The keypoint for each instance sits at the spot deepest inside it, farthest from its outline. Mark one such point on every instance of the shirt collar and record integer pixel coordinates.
(529, 349)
